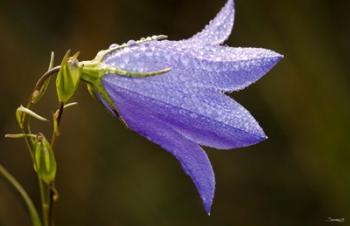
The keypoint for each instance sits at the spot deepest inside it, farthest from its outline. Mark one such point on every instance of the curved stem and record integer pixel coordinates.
(45, 76)
(26, 199)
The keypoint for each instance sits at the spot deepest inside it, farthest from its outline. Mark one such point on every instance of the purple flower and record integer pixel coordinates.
(187, 107)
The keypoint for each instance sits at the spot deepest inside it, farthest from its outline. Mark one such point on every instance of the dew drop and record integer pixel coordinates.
(193, 115)
(113, 46)
(185, 61)
(131, 43)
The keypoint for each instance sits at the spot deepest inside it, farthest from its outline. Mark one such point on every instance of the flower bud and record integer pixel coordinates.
(67, 78)
(44, 160)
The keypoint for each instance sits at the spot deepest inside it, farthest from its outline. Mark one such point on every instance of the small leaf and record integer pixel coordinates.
(23, 110)
(67, 78)
(76, 55)
(44, 160)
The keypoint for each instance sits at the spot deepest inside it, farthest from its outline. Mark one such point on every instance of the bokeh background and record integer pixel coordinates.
(110, 176)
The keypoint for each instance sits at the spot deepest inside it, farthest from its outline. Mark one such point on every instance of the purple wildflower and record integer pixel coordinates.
(187, 107)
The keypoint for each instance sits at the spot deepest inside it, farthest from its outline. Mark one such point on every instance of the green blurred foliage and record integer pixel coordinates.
(108, 175)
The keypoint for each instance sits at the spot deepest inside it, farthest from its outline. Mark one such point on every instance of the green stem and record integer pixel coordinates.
(45, 190)
(26, 199)
(52, 194)
(45, 76)
(45, 201)
(52, 189)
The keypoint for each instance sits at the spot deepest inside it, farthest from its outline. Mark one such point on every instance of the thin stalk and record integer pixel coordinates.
(45, 199)
(52, 189)
(25, 197)
(45, 192)
(51, 207)
(45, 202)
(45, 76)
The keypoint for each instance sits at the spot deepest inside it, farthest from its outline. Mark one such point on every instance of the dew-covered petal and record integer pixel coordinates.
(204, 115)
(219, 29)
(192, 158)
(220, 67)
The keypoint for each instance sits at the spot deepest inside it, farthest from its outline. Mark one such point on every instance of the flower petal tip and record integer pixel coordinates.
(277, 56)
(258, 139)
(263, 138)
(262, 135)
(207, 206)
(255, 138)
(219, 29)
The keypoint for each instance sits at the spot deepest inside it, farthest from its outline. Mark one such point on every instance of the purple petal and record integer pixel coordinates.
(193, 159)
(220, 67)
(219, 29)
(204, 115)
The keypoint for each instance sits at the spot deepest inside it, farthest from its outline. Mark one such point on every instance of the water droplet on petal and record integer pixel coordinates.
(184, 61)
(113, 46)
(132, 43)
(194, 115)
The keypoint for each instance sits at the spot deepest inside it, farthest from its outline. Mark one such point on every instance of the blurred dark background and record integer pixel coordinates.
(110, 176)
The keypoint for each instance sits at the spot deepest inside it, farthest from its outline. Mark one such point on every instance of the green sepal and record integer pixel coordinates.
(68, 77)
(93, 71)
(19, 135)
(90, 90)
(70, 105)
(23, 110)
(44, 160)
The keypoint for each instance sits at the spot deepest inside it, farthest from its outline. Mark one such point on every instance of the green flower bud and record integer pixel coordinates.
(44, 160)
(68, 78)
